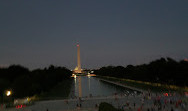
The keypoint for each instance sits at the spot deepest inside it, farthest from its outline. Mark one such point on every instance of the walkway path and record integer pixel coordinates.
(89, 104)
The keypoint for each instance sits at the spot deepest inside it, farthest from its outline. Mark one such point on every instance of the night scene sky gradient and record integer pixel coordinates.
(37, 33)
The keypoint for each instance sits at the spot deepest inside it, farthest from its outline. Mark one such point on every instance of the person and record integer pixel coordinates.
(139, 109)
(142, 100)
(148, 109)
(127, 103)
(96, 105)
(1, 106)
(152, 108)
(134, 104)
(172, 109)
(80, 105)
(90, 95)
(176, 104)
(47, 109)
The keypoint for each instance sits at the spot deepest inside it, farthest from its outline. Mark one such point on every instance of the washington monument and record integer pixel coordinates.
(78, 67)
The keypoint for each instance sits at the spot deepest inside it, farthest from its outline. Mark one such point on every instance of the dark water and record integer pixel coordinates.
(96, 87)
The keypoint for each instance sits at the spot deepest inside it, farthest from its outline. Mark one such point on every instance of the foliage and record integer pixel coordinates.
(107, 107)
(165, 71)
(60, 91)
(25, 83)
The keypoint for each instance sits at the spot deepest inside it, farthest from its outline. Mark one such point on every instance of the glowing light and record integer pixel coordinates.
(28, 99)
(8, 93)
(20, 106)
(165, 94)
(75, 76)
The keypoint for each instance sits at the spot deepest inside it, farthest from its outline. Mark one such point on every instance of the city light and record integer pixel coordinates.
(75, 76)
(8, 93)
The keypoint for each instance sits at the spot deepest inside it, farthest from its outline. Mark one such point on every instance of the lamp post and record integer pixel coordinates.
(6, 93)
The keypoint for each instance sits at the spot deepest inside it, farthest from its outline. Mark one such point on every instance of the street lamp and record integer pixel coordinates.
(8, 93)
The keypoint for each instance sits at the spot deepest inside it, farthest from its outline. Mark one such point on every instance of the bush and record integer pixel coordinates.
(107, 107)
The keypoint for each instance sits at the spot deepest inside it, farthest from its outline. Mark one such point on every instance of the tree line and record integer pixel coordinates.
(163, 70)
(24, 82)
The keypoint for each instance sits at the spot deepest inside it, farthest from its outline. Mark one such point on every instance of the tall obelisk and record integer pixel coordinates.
(78, 59)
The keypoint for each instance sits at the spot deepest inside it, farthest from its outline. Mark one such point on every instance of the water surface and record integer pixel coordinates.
(96, 87)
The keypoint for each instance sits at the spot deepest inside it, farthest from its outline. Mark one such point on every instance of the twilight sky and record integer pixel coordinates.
(37, 33)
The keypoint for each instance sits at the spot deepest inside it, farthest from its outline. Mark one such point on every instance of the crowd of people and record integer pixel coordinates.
(155, 102)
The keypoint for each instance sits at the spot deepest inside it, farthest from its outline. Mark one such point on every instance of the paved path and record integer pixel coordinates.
(89, 104)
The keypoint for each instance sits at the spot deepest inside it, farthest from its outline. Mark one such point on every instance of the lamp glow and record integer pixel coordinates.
(8, 93)
(74, 76)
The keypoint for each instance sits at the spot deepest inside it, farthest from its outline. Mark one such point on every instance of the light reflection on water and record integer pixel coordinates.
(95, 87)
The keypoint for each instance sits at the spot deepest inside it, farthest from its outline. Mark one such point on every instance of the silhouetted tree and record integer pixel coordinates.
(27, 83)
(166, 71)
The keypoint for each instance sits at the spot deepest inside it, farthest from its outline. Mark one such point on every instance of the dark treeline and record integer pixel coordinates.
(25, 83)
(164, 70)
